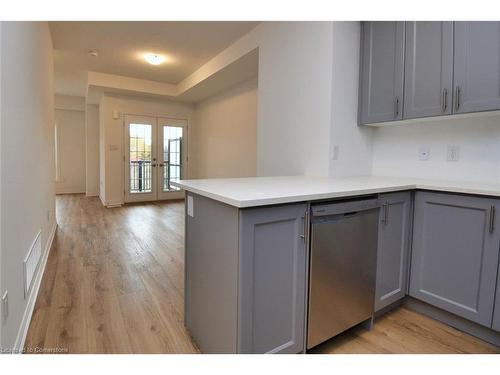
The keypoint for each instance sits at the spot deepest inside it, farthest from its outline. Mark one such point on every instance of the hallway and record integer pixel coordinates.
(113, 281)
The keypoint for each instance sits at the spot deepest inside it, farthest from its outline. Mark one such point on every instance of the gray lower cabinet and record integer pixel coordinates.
(272, 286)
(496, 312)
(382, 67)
(476, 67)
(455, 254)
(428, 69)
(245, 277)
(393, 248)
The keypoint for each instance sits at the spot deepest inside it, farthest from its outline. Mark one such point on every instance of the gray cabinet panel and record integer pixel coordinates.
(382, 67)
(211, 296)
(455, 255)
(496, 312)
(272, 280)
(393, 248)
(428, 69)
(476, 66)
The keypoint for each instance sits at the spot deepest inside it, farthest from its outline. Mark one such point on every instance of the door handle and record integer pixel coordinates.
(396, 107)
(445, 100)
(305, 219)
(492, 219)
(457, 98)
(385, 218)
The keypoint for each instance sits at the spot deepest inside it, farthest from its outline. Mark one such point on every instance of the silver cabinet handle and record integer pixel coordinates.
(385, 218)
(387, 212)
(396, 107)
(445, 100)
(492, 219)
(304, 229)
(457, 98)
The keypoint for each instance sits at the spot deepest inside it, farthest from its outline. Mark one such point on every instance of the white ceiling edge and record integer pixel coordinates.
(241, 69)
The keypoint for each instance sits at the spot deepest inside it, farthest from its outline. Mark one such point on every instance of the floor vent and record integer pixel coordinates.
(31, 263)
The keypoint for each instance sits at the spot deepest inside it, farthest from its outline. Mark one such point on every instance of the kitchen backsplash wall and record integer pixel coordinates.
(397, 149)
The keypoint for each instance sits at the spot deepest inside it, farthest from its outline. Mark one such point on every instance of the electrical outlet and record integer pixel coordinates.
(453, 153)
(424, 153)
(5, 306)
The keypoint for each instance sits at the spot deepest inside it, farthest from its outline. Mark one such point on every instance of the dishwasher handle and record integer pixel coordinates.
(345, 208)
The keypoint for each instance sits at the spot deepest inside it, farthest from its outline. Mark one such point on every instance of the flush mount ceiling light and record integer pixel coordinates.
(154, 58)
(93, 53)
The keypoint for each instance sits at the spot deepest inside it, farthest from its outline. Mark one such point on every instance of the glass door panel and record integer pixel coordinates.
(174, 156)
(140, 159)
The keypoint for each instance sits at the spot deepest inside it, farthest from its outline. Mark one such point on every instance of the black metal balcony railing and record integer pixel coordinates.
(140, 176)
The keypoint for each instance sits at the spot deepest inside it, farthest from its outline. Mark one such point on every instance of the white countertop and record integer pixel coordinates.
(261, 191)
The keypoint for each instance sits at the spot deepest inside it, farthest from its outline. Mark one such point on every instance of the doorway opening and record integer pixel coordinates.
(155, 156)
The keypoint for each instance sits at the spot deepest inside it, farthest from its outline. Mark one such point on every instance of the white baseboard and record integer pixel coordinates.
(63, 192)
(91, 194)
(113, 204)
(30, 306)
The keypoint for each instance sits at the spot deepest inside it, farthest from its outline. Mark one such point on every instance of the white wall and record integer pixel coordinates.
(224, 134)
(92, 150)
(27, 157)
(70, 128)
(294, 98)
(395, 149)
(111, 140)
(353, 142)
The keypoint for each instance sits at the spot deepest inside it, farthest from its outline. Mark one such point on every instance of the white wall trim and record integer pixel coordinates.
(91, 193)
(61, 191)
(113, 204)
(30, 306)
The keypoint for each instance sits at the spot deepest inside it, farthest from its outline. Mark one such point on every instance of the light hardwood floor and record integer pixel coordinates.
(114, 284)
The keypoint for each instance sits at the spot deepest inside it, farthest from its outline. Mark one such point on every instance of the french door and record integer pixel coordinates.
(155, 155)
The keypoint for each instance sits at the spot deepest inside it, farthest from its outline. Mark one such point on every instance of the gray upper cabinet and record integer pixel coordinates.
(393, 248)
(382, 69)
(272, 286)
(428, 69)
(477, 66)
(455, 254)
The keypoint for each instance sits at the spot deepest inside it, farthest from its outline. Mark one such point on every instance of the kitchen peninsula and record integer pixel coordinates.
(247, 255)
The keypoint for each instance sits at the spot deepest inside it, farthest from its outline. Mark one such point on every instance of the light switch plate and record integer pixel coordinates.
(424, 153)
(335, 152)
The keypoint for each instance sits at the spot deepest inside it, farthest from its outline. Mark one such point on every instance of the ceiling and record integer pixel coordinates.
(121, 45)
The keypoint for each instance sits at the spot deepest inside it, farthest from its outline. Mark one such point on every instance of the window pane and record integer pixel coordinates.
(172, 155)
(140, 141)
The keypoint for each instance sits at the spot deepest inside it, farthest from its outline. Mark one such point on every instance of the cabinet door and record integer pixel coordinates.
(381, 84)
(455, 254)
(476, 67)
(496, 312)
(272, 279)
(393, 248)
(428, 69)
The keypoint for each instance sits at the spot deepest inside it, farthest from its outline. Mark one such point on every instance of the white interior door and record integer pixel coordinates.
(172, 157)
(141, 176)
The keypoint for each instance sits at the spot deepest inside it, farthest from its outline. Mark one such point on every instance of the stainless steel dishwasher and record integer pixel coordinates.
(343, 264)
